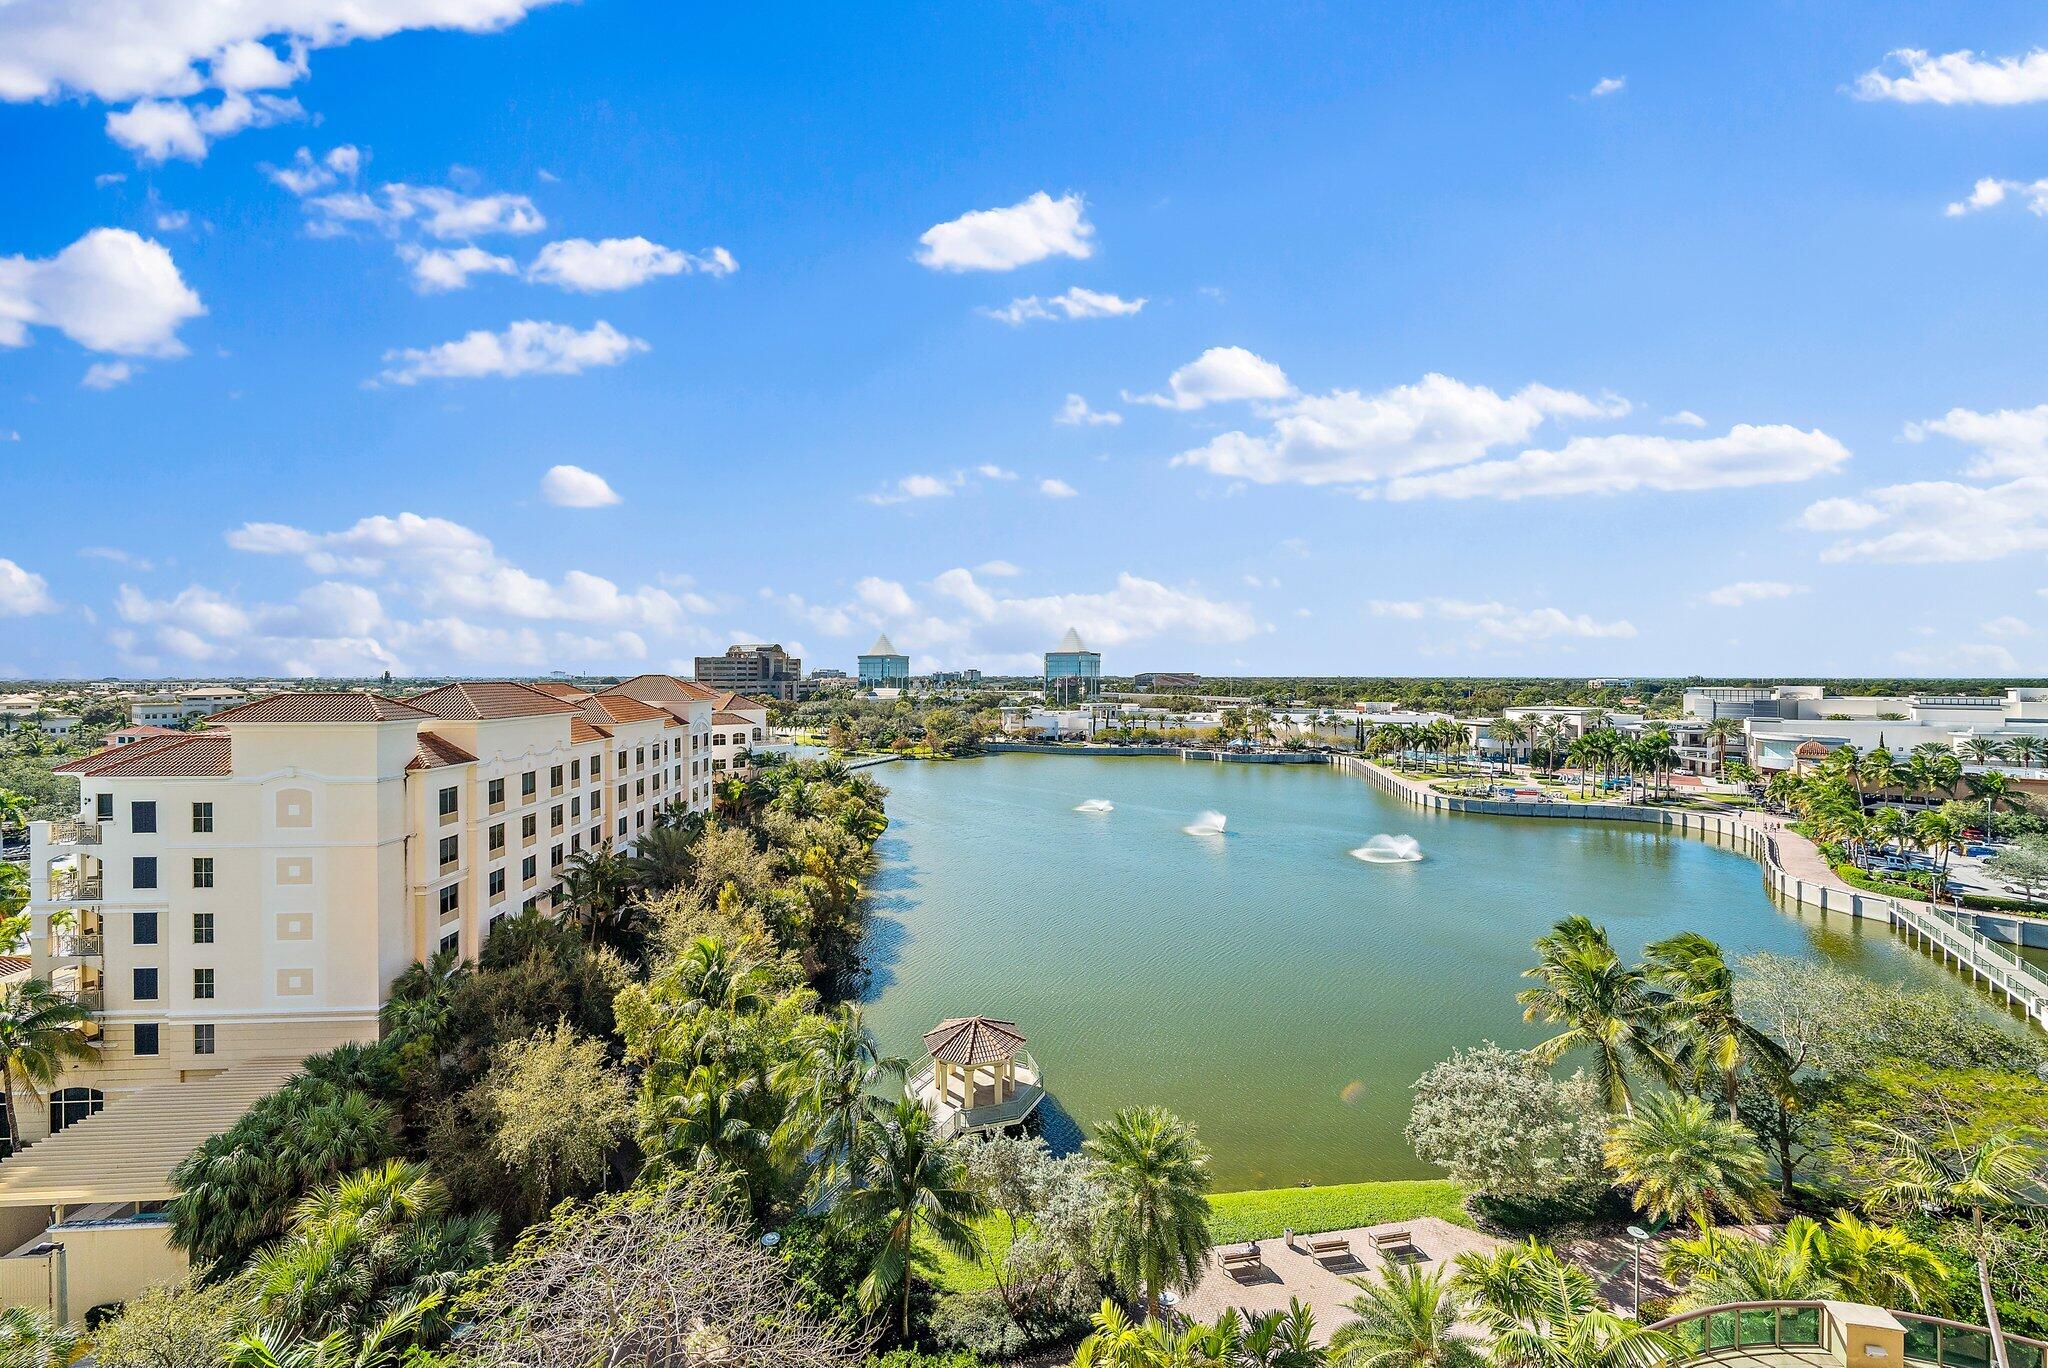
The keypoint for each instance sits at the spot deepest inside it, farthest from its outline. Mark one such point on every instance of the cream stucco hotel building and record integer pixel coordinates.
(231, 900)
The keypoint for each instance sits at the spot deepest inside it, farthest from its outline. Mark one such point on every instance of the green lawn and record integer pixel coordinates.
(1234, 1216)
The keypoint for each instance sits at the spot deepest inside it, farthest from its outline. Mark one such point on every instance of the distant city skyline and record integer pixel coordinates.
(503, 336)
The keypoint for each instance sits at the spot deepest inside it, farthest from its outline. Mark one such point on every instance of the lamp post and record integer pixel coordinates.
(1637, 1235)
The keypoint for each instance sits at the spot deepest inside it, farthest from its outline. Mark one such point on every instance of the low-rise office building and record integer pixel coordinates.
(760, 670)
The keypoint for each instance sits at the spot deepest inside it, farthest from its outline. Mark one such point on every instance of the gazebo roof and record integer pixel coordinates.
(1811, 750)
(973, 1040)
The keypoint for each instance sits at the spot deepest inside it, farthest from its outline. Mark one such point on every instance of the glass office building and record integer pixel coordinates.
(884, 667)
(1073, 673)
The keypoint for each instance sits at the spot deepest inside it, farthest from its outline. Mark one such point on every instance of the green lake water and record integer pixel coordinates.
(1265, 984)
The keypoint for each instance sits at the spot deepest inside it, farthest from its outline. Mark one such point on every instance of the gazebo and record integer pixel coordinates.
(977, 1075)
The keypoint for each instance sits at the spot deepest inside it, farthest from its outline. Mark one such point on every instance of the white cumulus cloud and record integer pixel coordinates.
(568, 486)
(110, 291)
(1076, 413)
(1622, 463)
(158, 130)
(1004, 239)
(620, 263)
(1914, 76)
(1219, 375)
(106, 375)
(1057, 489)
(23, 592)
(523, 348)
(440, 269)
(1608, 85)
(1997, 509)
(1075, 303)
(1491, 622)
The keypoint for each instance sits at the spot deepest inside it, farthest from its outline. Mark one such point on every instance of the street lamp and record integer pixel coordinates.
(1638, 1235)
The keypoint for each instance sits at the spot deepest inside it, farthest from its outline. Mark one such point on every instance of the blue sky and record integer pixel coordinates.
(1564, 339)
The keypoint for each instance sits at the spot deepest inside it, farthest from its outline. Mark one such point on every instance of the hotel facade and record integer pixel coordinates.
(229, 901)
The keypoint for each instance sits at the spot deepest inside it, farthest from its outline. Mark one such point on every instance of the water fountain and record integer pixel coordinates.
(1385, 849)
(1207, 824)
(1095, 805)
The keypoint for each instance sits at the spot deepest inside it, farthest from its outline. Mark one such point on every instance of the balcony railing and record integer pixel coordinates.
(72, 831)
(1742, 1329)
(92, 999)
(75, 888)
(76, 944)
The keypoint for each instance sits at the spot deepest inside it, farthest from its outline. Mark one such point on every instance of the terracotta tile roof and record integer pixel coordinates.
(732, 701)
(479, 700)
(435, 751)
(663, 689)
(12, 965)
(731, 719)
(561, 690)
(973, 1040)
(99, 759)
(582, 733)
(201, 755)
(144, 729)
(620, 708)
(347, 706)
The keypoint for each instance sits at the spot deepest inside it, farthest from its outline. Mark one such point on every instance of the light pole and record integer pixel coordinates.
(1637, 1235)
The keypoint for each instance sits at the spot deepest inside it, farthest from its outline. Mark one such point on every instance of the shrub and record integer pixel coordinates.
(1501, 1122)
(911, 1358)
(978, 1323)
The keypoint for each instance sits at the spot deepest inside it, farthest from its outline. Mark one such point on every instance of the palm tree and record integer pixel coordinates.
(1893, 826)
(1721, 731)
(595, 893)
(1994, 787)
(1155, 1179)
(1545, 1313)
(1948, 1173)
(423, 997)
(31, 1339)
(839, 1103)
(1406, 1319)
(707, 1121)
(1699, 1008)
(1878, 771)
(1935, 829)
(1658, 752)
(1983, 749)
(665, 857)
(1686, 1162)
(1847, 1259)
(2024, 751)
(14, 810)
(910, 1183)
(383, 1347)
(1604, 1006)
(39, 1030)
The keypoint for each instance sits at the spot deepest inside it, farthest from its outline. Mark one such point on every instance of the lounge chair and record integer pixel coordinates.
(1245, 1260)
(1331, 1249)
(1390, 1241)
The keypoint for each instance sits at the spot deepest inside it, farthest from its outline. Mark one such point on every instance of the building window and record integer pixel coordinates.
(145, 985)
(622, 761)
(576, 809)
(145, 1037)
(575, 771)
(202, 1040)
(555, 818)
(451, 898)
(202, 817)
(622, 826)
(529, 827)
(639, 755)
(202, 928)
(639, 788)
(555, 777)
(451, 942)
(451, 850)
(622, 793)
(555, 858)
(497, 837)
(144, 924)
(103, 807)
(69, 1106)
(202, 983)
(142, 817)
(526, 784)
(597, 764)
(497, 882)
(448, 801)
(496, 790)
(144, 872)
(528, 868)
(202, 871)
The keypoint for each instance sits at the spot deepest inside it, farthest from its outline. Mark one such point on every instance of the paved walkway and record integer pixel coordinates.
(1325, 1288)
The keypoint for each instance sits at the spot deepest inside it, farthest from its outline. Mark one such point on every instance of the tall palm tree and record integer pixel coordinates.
(665, 857)
(1699, 1009)
(1994, 787)
(423, 997)
(1685, 1162)
(911, 1182)
(708, 1120)
(839, 1097)
(1406, 1319)
(1983, 749)
(1545, 1313)
(1936, 830)
(596, 893)
(1721, 731)
(39, 1030)
(1949, 1173)
(1878, 771)
(1846, 1259)
(1603, 1005)
(1155, 1179)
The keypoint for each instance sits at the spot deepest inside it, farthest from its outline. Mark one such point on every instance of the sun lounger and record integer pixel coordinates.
(1386, 1241)
(1330, 1249)
(1236, 1261)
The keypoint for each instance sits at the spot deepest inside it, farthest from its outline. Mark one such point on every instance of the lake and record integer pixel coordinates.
(1265, 984)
